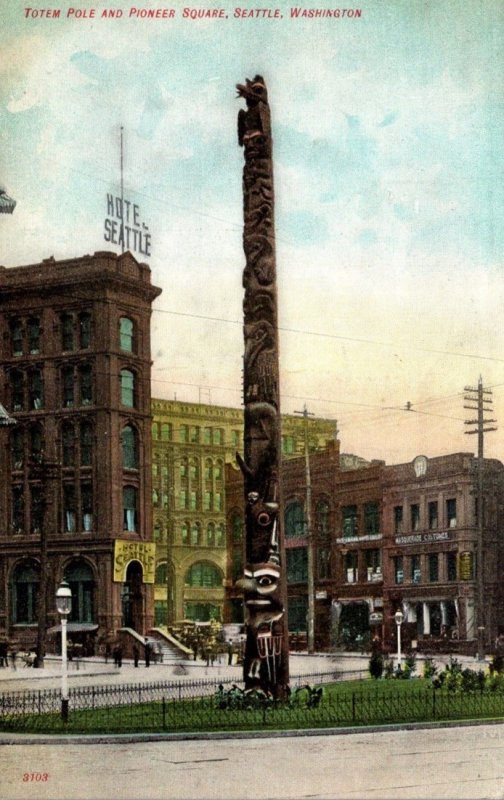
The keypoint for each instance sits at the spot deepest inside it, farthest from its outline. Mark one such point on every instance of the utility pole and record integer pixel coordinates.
(309, 535)
(482, 398)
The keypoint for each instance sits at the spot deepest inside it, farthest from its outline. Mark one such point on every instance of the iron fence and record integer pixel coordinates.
(218, 705)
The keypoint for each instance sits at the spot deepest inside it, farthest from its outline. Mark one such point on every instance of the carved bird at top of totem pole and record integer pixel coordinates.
(256, 118)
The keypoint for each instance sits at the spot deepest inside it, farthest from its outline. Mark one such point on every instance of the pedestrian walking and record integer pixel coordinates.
(119, 656)
(147, 653)
(136, 654)
(13, 657)
(230, 652)
(3, 654)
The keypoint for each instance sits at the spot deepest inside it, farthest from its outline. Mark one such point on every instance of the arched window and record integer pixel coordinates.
(25, 586)
(126, 329)
(129, 444)
(79, 577)
(128, 388)
(219, 535)
(237, 528)
(155, 430)
(166, 431)
(211, 534)
(130, 505)
(195, 533)
(322, 519)
(161, 574)
(203, 574)
(294, 520)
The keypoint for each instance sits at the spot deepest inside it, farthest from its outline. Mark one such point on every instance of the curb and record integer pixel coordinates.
(132, 738)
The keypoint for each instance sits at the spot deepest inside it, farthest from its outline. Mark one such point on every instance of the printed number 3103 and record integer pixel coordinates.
(35, 776)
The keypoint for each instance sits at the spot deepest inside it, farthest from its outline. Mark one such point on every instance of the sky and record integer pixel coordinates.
(388, 162)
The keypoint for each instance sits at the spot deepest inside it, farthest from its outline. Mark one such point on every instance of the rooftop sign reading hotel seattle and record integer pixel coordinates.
(123, 226)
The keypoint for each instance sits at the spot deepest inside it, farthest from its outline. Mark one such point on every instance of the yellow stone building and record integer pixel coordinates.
(191, 443)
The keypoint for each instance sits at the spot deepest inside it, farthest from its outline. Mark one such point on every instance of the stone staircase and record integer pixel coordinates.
(173, 651)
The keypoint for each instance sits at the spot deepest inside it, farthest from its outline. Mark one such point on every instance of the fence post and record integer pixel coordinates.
(434, 704)
(353, 706)
(163, 705)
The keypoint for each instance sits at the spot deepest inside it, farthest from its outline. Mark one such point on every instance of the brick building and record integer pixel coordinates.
(385, 538)
(75, 470)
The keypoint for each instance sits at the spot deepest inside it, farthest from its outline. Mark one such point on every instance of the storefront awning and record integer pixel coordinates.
(75, 627)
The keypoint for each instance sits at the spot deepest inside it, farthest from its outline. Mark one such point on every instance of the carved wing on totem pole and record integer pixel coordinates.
(263, 583)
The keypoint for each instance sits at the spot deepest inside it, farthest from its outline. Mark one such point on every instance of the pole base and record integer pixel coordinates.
(64, 710)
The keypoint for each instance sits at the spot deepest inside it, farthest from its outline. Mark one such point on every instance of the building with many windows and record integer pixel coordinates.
(385, 538)
(75, 489)
(192, 444)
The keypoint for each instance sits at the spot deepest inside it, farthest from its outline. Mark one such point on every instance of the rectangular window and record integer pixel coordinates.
(67, 332)
(433, 515)
(297, 613)
(183, 433)
(416, 574)
(235, 438)
(372, 517)
(288, 445)
(17, 509)
(69, 508)
(36, 390)
(373, 565)
(67, 385)
(86, 444)
(451, 512)
(37, 509)
(87, 506)
(415, 517)
(433, 567)
(218, 436)
(207, 501)
(130, 499)
(34, 336)
(297, 564)
(451, 566)
(86, 385)
(16, 332)
(218, 502)
(398, 569)
(182, 498)
(323, 563)
(207, 435)
(351, 567)
(85, 330)
(398, 519)
(194, 434)
(193, 501)
(349, 520)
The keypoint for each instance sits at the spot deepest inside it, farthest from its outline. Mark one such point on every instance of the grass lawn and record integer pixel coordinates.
(351, 703)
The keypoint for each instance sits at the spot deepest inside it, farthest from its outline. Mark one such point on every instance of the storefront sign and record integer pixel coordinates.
(144, 552)
(466, 566)
(423, 538)
(369, 537)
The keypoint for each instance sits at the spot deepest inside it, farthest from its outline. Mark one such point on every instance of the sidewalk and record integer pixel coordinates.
(95, 672)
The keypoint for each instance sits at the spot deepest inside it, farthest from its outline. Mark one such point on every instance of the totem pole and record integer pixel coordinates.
(264, 583)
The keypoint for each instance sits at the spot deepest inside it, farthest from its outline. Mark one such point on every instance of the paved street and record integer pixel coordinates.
(465, 762)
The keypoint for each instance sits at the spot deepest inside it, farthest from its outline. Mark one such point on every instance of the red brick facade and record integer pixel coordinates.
(75, 374)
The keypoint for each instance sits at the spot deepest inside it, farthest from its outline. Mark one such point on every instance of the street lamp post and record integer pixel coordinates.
(399, 616)
(64, 606)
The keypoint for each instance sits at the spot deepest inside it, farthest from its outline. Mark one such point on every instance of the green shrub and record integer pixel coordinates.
(376, 666)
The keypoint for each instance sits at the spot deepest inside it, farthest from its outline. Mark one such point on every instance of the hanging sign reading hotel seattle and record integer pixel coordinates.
(126, 229)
